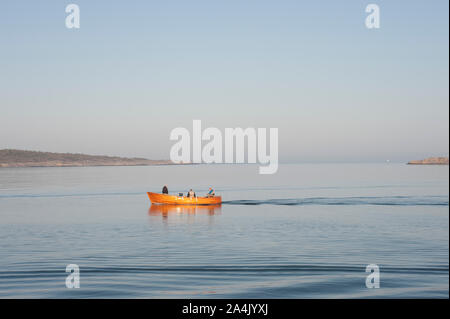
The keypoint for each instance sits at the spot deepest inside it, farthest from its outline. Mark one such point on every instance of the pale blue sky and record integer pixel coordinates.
(135, 70)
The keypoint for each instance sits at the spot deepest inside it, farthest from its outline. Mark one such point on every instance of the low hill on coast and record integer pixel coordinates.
(20, 158)
(431, 161)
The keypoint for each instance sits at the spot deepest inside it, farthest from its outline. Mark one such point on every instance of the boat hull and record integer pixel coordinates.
(157, 198)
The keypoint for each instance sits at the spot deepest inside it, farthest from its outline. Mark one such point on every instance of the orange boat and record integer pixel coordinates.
(157, 198)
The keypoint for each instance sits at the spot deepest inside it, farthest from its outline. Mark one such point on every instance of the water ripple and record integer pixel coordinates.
(383, 201)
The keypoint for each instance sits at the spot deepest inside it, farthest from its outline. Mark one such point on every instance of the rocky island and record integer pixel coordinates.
(431, 161)
(20, 158)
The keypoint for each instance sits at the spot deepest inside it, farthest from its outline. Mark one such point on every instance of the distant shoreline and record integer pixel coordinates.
(12, 158)
(99, 165)
(430, 161)
(22, 158)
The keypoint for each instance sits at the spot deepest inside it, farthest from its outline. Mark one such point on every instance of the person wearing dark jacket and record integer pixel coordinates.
(165, 190)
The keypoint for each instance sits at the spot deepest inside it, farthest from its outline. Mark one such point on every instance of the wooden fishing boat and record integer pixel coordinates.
(157, 198)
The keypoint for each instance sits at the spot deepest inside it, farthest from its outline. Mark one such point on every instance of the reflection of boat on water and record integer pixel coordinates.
(157, 198)
(165, 210)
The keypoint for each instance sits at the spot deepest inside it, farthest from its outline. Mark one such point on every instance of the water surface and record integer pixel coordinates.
(308, 231)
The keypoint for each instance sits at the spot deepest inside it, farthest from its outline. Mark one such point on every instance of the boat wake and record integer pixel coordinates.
(383, 201)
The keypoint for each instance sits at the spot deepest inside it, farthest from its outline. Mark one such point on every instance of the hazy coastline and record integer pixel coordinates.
(22, 158)
(430, 161)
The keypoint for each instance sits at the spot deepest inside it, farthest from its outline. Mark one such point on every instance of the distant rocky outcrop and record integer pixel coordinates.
(431, 161)
(20, 158)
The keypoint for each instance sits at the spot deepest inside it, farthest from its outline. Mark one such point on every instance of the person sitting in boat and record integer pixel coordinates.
(165, 190)
(191, 193)
(211, 193)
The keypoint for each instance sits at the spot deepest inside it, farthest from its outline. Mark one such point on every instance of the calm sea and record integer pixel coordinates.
(308, 231)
